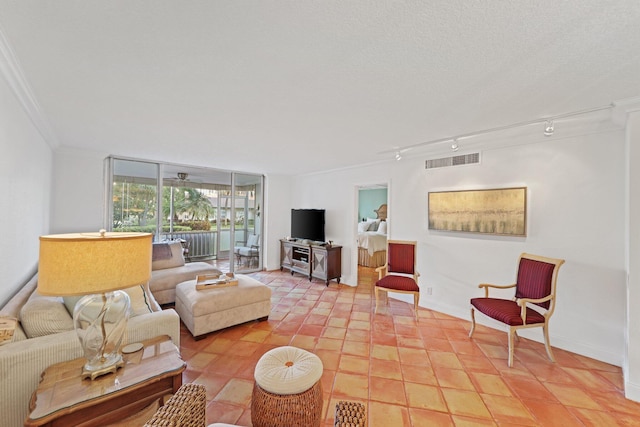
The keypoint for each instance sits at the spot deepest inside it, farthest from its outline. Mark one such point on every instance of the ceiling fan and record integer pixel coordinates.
(182, 179)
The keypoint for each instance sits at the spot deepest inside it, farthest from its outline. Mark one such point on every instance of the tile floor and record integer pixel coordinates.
(407, 373)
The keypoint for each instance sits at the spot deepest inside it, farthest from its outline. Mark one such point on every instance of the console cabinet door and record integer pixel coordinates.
(326, 263)
(286, 255)
(319, 264)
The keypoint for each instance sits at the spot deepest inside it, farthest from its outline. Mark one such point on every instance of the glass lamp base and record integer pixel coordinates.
(93, 374)
(100, 321)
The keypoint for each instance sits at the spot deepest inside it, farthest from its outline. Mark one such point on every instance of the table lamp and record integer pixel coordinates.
(98, 266)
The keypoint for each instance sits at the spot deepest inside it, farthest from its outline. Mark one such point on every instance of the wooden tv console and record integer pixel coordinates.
(322, 262)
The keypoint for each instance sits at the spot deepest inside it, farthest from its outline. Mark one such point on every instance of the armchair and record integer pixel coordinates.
(533, 304)
(249, 249)
(399, 273)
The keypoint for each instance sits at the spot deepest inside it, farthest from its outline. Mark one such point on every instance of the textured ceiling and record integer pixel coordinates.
(298, 86)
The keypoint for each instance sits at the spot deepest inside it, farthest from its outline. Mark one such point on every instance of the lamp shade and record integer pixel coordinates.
(90, 263)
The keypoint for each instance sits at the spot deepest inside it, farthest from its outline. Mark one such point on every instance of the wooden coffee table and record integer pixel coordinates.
(63, 398)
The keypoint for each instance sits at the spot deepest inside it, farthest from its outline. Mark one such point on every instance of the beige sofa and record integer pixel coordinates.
(169, 268)
(44, 336)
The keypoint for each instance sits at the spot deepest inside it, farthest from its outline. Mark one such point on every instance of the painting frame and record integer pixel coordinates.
(493, 211)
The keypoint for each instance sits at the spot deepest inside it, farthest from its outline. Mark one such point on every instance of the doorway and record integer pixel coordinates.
(372, 227)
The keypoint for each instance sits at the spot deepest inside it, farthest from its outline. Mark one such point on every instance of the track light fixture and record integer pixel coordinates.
(548, 130)
(454, 145)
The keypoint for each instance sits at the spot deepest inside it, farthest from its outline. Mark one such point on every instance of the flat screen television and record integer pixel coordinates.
(307, 224)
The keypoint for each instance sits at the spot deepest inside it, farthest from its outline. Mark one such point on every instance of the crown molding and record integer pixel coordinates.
(623, 107)
(12, 72)
(628, 104)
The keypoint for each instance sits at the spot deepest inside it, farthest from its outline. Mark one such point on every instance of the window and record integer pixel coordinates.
(210, 211)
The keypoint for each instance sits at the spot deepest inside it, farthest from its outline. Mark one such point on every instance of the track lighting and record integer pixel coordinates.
(548, 130)
(398, 156)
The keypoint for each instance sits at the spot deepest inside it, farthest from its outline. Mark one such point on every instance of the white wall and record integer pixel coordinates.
(632, 362)
(78, 205)
(25, 185)
(576, 205)
(277, 217)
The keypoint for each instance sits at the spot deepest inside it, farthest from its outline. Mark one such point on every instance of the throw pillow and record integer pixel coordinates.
(7, 328)
(44, 315)
(382, 228)
(176, 259)
(141, 301)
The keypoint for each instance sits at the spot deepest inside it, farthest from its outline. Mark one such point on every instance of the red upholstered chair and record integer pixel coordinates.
(533, 303)
(399, 272)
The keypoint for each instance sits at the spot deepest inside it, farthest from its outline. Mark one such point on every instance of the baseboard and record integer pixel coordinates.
(632, 391)
(564, 343)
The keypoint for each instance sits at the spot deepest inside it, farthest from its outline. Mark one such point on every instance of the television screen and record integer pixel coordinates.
(307, 224)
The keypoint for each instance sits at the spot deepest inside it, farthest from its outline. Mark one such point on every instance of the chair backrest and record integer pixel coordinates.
(252, 240)
(401, 256)
(537, 277)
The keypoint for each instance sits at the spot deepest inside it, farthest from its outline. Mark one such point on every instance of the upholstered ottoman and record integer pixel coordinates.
(287, 389)
(208, 310)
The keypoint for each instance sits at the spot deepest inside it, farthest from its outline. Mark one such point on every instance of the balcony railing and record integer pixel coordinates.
(201, 244)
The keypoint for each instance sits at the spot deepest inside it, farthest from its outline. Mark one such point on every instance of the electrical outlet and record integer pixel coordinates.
(429, 291)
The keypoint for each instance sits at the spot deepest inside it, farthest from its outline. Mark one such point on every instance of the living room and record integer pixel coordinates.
(583, 195)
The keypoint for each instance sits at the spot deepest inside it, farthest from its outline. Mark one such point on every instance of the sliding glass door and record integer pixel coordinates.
(211, 212)
(134, 196)
(247, 226)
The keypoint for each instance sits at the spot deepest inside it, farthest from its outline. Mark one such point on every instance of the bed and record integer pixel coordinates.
(372, 239)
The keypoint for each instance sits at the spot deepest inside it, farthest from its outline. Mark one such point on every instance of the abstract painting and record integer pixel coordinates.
(499, 211)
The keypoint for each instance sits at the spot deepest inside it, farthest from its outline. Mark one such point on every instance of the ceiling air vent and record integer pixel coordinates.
(464, 159)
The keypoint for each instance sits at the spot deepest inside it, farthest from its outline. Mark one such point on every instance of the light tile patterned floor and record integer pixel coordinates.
(407, 373)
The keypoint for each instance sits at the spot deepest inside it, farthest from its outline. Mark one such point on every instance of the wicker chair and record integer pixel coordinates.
(186, 408)
(350, 414)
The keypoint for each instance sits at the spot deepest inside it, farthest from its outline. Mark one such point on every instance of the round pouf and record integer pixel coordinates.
(287, 390)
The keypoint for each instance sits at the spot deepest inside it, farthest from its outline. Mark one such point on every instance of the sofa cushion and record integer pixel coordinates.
(243, 251)
(163, 282)
(175, 260)
(44, 315)
(253, 240)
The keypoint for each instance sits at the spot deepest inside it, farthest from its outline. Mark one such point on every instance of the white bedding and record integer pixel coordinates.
(372, 241)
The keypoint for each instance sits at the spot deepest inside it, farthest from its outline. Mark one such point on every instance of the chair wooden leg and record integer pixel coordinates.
(377, 291)
(511, 333)
(547, 345)
(473, 322)
(416, 299)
